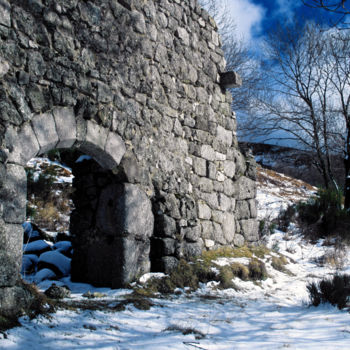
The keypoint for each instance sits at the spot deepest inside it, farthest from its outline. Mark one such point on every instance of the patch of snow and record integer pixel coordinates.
(228, 261)
(147, 276)
(82, 158)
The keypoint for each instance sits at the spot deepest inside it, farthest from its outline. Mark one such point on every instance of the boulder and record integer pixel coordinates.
(56, 262)
(37, 247)
(57, 292)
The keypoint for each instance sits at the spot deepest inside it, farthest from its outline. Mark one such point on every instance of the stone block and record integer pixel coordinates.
(45, 130)
(200, 166)
(204, 212)
(225, 203)
(242, 210)
(238, 240)
(205, 185)
(253, 208)
(218, 216)
(211, 199)
(209, 243)
(13, 300)
(224, 136)
(96, 134)
(207, 229)
(13, 194)
(208, 153)
(218, 234)
(168, 246)
(99, 143)
(191, 234)
(66, 126)
(212, 171)
(125, 210)
(115, 148)
(168, 263)
(5, 13)
(229, 227)
(4, 66)
(229, 168)
(138, 22)
(104, 93)
(11, 242)
(166, 226)
(191, 250)
(229, 187)
(21, 145)
(250, 229)
(9, 269)
(245, 188)
(183, 35)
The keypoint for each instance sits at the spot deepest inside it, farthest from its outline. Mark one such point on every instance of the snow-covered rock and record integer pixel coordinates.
(64, 247)
(29, 263)
(44, 274)
(56, 261)
(37, 247)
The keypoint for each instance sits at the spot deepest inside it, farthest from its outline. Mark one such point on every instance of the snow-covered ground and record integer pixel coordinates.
(272, 314)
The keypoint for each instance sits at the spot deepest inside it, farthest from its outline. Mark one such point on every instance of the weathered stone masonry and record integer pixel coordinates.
(136, 85)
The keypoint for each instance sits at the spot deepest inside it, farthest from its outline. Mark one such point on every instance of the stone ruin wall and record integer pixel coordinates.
(143, 76)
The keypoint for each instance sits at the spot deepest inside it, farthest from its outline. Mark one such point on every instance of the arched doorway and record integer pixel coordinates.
(119, 247)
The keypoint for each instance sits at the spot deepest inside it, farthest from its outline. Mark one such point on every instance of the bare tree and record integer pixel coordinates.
(339, 52)
(307, 95)
(338, 7)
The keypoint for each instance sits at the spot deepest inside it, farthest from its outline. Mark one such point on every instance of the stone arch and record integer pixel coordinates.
(60, 129)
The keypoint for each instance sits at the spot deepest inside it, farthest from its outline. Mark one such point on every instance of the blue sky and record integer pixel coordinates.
(254, 18)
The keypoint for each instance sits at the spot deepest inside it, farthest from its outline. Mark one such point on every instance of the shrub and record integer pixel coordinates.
(285, 218)
(226, 276)
(335, 291)
(257, 270)
(241, 271)
(279, 262)
(326, 211)
(335, 257)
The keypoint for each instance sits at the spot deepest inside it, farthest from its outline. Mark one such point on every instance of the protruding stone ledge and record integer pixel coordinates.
(229, 80)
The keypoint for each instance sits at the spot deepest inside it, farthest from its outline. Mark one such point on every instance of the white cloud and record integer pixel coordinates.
(246, 15)
(286, 8)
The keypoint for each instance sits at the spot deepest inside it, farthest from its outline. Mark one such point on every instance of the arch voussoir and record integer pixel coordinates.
(21, 145)
(106, 147)
(45, 130)
(66, 126)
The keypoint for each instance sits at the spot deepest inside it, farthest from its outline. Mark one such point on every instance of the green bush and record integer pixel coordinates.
(257, 270)
(335, 291)
(41, 186)
(326, 211)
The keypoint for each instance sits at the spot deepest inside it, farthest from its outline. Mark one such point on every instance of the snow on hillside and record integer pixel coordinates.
(276, 191)
(271, 314)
